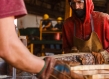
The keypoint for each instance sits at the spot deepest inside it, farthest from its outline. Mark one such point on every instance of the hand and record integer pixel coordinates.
(55, 69)
(61, 71)
(98, 58)
(44, 29)
(74, 49)
(105, 55)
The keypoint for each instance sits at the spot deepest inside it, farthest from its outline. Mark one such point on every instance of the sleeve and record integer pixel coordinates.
(51, 24)
(66, 47)
(42, 22)
(107, 34)
(12, 8)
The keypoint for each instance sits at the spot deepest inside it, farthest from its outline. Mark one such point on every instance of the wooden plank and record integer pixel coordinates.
(90, 67)
(64, 55)
(100, 76)
(91, 72)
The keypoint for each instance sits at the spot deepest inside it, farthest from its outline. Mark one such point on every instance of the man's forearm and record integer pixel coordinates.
(13, 51)
(23, 59)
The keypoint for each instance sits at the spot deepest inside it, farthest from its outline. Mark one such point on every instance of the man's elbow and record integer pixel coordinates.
(4, 51)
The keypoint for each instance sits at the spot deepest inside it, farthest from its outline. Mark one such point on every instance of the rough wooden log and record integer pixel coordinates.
(64, 55)
(94, 70)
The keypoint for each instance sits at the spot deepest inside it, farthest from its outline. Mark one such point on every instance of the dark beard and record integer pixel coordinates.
(80, 13)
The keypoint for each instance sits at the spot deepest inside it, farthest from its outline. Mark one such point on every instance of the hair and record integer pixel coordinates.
(69, 0)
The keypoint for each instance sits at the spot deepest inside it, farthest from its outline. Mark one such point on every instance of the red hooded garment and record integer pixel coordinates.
(83, 29)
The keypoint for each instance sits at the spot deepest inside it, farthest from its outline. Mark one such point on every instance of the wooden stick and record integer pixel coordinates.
(64, 55)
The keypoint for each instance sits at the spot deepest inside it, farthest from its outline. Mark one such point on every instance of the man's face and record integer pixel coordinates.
(77, 4)
(78, 7)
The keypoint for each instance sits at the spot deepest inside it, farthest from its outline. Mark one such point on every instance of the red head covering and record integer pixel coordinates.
(89, 8)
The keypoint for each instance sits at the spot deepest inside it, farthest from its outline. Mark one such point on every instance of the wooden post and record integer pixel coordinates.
(31, 47)
(68, 10)
(42, 47)
(40, 29)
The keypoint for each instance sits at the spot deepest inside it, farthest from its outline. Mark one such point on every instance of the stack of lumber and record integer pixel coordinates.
(94, 71)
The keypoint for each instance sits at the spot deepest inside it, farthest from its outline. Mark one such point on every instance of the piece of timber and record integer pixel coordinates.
(100, 76)
(85, 69)
(91, 72)
(90, 67)
(63, 55)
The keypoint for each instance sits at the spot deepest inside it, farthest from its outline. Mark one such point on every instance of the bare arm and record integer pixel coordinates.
(13, 51)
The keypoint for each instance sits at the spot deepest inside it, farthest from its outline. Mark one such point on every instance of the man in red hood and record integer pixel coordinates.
(86, 30)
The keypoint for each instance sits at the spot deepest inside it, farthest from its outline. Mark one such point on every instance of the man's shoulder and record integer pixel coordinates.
(100, 14)
(68, 19)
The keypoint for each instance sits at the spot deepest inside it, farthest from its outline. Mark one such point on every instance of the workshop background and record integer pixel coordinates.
(29, 25)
